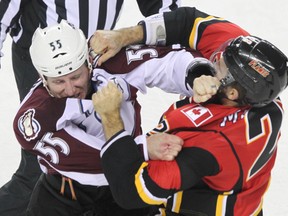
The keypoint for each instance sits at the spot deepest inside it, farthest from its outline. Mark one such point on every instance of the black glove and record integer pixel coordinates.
(199, 66)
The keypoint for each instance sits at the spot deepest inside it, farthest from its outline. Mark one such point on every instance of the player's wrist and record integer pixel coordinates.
(112, 124)
(132, 35)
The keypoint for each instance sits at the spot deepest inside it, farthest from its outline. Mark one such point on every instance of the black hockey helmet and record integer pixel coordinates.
(258, 66)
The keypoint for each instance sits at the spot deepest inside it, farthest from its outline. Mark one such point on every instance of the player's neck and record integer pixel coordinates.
(227, 102)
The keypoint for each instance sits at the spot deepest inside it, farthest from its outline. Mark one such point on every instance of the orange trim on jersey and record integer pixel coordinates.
(194, 33)
(265, 120)
(259, 208)
(177, 200)
(143, 192)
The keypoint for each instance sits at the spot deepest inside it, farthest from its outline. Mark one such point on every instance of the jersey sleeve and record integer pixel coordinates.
(191, 28)
(152, 66)
(199, 30)
(136, 183)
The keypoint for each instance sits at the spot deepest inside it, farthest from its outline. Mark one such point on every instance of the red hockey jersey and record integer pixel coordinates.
(224, 167)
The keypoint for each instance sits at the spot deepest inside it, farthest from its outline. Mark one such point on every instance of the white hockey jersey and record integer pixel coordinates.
(66, 134)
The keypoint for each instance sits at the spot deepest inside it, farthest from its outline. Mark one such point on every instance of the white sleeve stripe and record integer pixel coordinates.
(141, 140)
(111, 141)
(93, 179)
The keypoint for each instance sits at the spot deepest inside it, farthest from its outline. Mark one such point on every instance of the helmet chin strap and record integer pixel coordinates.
(47, 88)
(89, 65)
(227, 80)
(44, 81)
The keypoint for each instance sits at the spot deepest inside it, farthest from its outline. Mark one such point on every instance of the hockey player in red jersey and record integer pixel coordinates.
(230, 141)
(56, 120)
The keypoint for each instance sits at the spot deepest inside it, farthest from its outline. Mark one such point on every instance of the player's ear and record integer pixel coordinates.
(232, 93)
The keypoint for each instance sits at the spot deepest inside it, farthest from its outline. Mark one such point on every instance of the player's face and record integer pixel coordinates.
(221, 70)
(73, 85)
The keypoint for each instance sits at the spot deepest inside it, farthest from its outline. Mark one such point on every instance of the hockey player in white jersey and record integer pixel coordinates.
(56, 120)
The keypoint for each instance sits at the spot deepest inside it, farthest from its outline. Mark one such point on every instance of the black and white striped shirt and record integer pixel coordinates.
(22, 17)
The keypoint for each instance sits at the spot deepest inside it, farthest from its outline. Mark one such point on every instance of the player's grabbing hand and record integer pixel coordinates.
(164, 146)
(108, 43)
(107, 103)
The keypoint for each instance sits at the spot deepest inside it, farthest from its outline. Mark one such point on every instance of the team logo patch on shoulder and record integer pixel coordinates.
(197, 114)
(28, 125)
